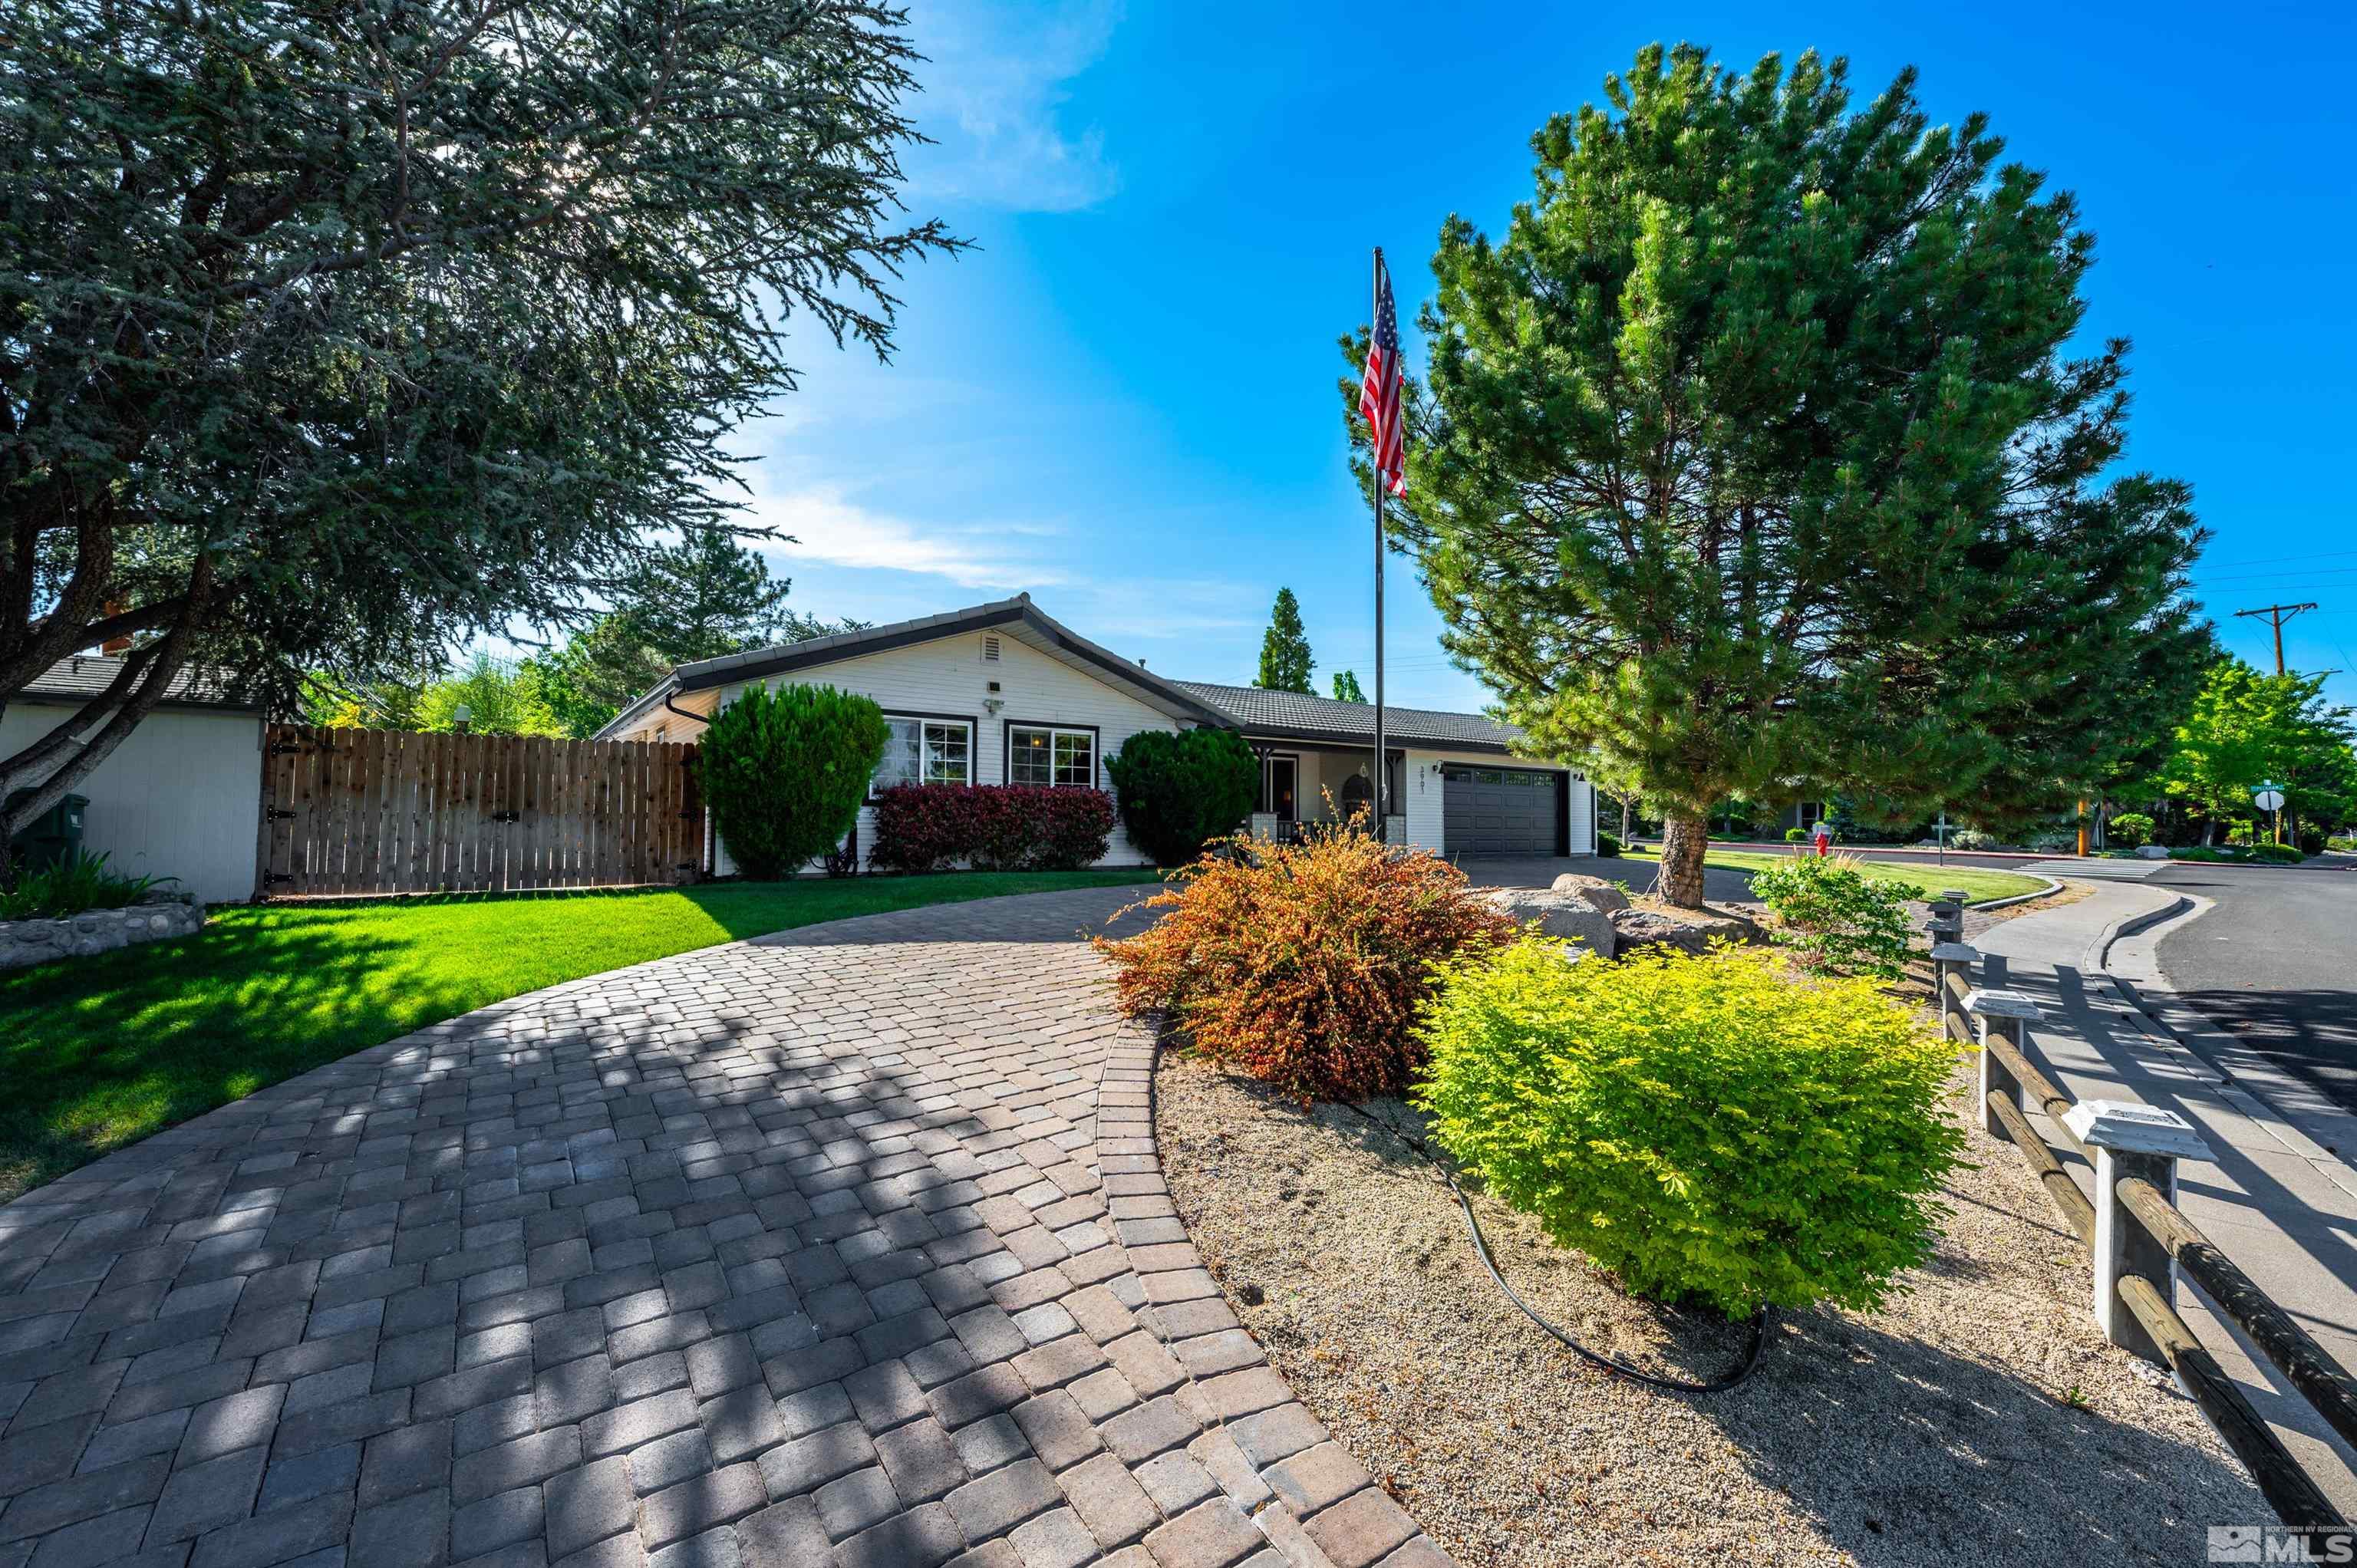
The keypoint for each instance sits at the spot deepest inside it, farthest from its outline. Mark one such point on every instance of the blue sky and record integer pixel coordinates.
(1124, 401)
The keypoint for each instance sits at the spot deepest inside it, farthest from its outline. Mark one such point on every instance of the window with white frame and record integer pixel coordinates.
(1041, 754)
(926, 751)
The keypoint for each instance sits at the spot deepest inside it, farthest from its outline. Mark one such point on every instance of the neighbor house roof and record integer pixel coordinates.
(1296, 715)
(86, 675)
(1019, 617)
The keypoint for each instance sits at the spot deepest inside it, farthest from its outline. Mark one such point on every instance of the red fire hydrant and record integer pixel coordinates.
(1823, 835)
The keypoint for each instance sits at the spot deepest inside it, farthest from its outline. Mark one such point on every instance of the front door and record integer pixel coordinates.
(1277, 775)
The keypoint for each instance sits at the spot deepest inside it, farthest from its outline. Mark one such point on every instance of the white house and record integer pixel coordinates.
(1001, 693)
(180, 797)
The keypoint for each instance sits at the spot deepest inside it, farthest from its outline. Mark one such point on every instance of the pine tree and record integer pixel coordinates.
(1346, 687)
(1285, 661)
(707, 595)
(1755, 458)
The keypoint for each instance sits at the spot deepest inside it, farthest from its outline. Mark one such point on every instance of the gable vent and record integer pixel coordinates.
(990, 651)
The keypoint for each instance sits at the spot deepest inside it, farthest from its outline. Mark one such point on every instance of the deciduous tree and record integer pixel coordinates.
(2244, 729)
(1759, 456)
(335, 338)
(1346, 687)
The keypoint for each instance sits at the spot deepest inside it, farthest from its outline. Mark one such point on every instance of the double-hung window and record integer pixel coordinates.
(1041, 754)
(926, 751)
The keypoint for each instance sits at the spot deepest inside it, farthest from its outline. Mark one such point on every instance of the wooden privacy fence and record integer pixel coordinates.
(2140, 1240)
(370, 812)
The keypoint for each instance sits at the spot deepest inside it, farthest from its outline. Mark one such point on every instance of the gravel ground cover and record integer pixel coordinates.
(1977, 1418)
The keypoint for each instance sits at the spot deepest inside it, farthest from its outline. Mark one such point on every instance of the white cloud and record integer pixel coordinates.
(1126, 601)
(828, 527)
(993, 102)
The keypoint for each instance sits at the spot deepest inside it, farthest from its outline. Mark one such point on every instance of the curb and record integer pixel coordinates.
(2294, 1115)
(2051, 888)
(2099, 951)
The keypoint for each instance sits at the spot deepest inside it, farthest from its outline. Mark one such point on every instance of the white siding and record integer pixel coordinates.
(180, 797)
(949, 678)
(1424, 786)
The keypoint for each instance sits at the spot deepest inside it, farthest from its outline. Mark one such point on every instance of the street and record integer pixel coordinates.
(2275, 963)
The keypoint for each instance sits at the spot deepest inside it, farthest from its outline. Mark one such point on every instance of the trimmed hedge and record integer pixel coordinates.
(784, 773)
(991, 827)
(1181, 790)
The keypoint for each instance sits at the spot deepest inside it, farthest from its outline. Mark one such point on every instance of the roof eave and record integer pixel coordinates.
(1006, 612)
(1303, 736)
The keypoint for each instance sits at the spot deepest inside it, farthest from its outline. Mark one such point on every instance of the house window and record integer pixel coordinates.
(1038, 754)
(926, 751)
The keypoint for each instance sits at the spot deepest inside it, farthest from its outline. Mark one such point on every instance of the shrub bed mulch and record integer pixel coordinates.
(1976, 1418)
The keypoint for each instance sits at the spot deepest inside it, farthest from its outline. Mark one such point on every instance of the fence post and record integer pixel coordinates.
(2004, 1014)
(2132, 1141)
(1957, 959)
(1947, 921)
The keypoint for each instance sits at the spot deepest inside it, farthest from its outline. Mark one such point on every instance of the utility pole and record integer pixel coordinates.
(2279, 614)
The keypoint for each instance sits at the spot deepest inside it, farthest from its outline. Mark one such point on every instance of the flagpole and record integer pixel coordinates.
(1382, 816)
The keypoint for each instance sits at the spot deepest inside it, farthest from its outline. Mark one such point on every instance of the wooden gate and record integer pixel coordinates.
(374, 812)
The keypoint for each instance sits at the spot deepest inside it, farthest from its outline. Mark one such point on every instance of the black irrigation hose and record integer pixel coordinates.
(1720, 1384)
(1612, 1363)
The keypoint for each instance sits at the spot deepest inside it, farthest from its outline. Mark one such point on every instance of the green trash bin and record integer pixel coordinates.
(51, 839)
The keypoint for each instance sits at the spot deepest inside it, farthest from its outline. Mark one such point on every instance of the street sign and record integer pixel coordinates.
(2269, 800)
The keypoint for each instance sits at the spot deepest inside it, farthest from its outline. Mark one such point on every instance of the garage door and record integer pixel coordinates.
(1499, 811)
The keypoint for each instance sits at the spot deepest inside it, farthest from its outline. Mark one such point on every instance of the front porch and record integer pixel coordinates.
(1304, 786)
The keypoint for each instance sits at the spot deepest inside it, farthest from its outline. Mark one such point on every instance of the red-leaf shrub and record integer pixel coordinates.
(1304, 965)
(991, 827)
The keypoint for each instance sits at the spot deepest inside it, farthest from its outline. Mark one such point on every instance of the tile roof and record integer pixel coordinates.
(1258, 711)
(85, 675)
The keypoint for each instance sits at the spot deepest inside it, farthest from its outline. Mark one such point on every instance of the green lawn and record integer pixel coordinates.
(102, 1052)
(1979, 886)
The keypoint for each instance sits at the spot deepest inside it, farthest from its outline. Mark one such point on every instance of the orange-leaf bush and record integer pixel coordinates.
(1304, 965)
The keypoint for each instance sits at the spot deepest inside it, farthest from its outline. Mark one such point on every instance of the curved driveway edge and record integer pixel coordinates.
(846, 1246)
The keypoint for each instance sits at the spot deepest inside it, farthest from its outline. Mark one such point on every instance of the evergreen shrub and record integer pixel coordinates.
(1180, 790)
(784, 773)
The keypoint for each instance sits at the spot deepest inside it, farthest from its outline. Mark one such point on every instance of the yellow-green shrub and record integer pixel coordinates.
(1706, 1127)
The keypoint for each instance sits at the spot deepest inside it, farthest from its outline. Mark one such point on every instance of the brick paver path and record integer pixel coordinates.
(842, 1247)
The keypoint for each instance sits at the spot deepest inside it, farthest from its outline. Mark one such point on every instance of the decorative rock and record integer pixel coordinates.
(94, 931)
(1567, 915)
(2152, 852)
(1601, 896)
(1691, 931)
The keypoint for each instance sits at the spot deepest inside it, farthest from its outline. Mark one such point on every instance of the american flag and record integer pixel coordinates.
(1379, 394)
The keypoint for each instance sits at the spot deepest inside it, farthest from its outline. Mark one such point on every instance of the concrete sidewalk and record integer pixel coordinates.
(2280, 1198)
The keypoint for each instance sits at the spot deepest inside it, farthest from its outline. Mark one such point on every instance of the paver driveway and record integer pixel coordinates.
(845, 1246)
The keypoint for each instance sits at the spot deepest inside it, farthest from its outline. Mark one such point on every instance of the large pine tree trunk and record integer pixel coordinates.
(1684, 835)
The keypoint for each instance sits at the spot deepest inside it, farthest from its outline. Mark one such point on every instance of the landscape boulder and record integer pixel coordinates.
(1567, 915)
(1689, 930)
(1601, 896)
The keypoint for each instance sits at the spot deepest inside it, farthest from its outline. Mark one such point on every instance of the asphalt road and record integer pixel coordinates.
(2275, 963)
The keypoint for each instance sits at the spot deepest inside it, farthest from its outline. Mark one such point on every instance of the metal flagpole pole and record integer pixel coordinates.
(1381, 815)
